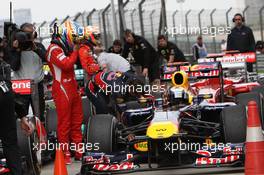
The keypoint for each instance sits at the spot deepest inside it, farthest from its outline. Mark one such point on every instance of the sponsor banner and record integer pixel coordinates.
(249, 57)
(21, 86)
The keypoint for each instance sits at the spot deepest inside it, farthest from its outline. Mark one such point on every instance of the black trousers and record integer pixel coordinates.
(8, 132)
(250, 67)
(26, 100)
(98, 100)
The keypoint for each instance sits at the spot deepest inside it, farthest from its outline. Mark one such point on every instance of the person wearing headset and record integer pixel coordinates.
(241, 38)
(61, 56)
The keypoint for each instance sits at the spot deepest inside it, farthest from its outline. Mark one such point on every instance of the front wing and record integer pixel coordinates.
(125, 162)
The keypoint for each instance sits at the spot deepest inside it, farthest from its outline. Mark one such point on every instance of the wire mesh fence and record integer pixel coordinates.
(194, 21)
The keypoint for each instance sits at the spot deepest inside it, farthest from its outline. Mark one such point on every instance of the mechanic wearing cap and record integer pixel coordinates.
(144, 55)
(8, 131)
(116, 48)
(168, 51)
(241, 38)
(61, 56)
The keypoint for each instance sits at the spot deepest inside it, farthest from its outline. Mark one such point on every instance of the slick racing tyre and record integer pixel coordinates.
(31, 156)
(256, 96)
(234, 122)
(51, 120)
(102, 131)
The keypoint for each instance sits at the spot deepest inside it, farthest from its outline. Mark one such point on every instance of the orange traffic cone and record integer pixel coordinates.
(60, 166)
(255, 142)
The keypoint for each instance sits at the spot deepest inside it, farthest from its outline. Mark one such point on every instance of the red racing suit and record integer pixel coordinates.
(66, 97)
(87, 60)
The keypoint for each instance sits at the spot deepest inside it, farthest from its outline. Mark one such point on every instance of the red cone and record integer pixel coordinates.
(60, 166)
(255, 142)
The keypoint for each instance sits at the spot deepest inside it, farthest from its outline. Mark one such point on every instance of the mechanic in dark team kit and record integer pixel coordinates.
(168, 51)
(144, 54)
(241, 38)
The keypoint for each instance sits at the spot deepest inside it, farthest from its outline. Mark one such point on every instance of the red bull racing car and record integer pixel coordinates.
(192, 125)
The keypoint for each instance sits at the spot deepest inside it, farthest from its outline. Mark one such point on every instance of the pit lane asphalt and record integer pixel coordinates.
(74, 168)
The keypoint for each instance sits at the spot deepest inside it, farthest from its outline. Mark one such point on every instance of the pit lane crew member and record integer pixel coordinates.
(8, 130)
(61, 57)
(144, 55)
(241, 38)
(168, 51)
(116, 47)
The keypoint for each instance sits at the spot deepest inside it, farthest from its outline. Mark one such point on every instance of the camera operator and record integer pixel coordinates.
(8, 131)
(26, 59)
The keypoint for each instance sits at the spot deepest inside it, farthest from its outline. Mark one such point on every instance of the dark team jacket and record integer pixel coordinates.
(142, 51)
(171, 49)
(241, 39)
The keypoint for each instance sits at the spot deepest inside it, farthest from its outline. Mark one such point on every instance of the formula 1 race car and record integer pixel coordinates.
(192, 125)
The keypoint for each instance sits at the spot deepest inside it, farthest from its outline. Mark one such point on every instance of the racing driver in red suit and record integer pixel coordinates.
(61, 56)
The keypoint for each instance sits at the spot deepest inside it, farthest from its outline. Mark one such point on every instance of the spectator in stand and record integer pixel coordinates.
(199, 49)
(241, 38)
(168, 51)
(116, 48)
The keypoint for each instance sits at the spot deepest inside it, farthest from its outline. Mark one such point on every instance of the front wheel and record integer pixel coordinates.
(102, 133)
(30, 155)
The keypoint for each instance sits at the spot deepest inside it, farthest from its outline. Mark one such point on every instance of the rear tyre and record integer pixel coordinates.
(30, 155)
(102, 133)
(244, 98)
(51, 120)
(234, 122)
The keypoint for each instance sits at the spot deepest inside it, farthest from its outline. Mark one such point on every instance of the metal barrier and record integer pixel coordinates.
(145, 17)
(260, 63)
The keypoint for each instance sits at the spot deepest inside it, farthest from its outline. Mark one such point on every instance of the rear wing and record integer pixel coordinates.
(168, 69)
(199, 71)
(228, 61)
